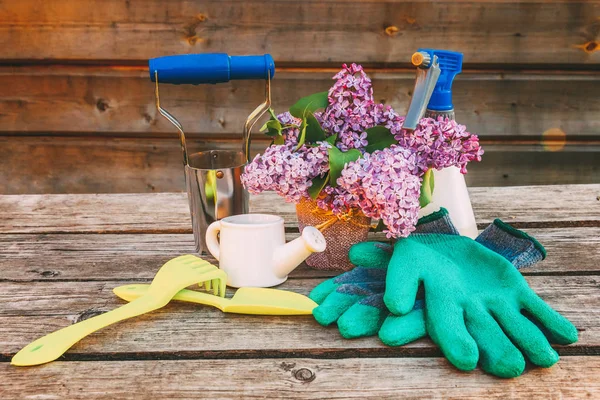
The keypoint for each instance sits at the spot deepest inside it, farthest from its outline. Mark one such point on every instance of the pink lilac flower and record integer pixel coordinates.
(441, 143)
(287, 172)
(335, 199)
(350, 107)
(291, 134)
(382, 184)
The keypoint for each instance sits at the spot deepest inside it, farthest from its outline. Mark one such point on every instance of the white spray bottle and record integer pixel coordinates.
(432, 97)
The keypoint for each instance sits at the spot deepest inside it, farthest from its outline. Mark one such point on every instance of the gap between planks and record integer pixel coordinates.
(58, 257)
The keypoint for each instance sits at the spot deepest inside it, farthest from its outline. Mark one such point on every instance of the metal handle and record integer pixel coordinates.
(213, 68)
(171, 119)
(254, 117)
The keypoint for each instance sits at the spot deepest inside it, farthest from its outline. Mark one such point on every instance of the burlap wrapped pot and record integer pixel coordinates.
(340, 233)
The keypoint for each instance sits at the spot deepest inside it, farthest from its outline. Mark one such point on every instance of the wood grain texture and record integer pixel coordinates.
(525, 207)
(382, 31)
(187, 350)
(97, 165)
(113, 165)
(29, 310)
(86, 257)
(297, 378)
(118, 100)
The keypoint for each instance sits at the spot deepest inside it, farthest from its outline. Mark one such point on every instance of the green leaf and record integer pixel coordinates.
(380, 226)
(426, 188)
(273, 128)
(272, 113)
(309, 103)
(302, 135)
(379, 138)
(337, 162)
(331, 139)
(278, 140)
(318, 184)
(314, 133)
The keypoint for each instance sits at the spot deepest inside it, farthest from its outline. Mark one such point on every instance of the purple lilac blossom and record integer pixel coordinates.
(287, 172)
(382, 184)
(350, 108)
(291, 134)
(441, 143)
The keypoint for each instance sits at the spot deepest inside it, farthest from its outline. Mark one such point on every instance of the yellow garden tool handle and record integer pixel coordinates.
(135, 291)
(53, 345)
(246, 300)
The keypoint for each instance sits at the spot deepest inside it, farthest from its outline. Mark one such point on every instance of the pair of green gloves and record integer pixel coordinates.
(477, 307)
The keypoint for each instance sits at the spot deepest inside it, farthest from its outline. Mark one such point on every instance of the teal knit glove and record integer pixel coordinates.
(474, 300)
(514, 245)
(355, 299)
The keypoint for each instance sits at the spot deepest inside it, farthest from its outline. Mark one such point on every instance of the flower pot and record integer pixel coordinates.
(340, 233)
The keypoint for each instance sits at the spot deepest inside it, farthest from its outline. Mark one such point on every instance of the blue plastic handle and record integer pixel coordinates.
(450, 66)
(196, 69)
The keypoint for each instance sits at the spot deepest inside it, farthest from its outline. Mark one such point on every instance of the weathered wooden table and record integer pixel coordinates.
(61, 255)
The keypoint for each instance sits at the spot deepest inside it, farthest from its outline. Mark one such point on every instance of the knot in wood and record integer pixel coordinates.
(591, 46)
(102, 105)
(391, 30)
(305, 375)
(89, 313)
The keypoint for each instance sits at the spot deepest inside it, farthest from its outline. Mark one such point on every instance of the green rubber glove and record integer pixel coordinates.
(355, 299)
(514, 245)
(474, 299)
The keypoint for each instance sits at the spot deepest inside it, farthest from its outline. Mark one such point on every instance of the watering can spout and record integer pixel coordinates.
(288, 256)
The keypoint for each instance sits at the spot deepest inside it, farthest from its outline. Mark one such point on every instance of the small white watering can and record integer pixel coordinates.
(251, 249)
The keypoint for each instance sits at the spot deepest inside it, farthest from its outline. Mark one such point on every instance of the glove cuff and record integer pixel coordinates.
(436, 222)
(521, 249)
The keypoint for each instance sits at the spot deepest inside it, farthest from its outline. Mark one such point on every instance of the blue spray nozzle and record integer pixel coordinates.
(450, 63)
(195, 69)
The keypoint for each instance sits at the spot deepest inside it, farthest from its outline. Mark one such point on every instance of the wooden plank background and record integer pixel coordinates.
(77, 109)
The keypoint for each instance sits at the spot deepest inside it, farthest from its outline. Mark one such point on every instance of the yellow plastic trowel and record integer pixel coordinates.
(178, 273)
(247, 300)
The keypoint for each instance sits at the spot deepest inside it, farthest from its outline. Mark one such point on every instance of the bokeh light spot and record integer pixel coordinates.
(554, 139)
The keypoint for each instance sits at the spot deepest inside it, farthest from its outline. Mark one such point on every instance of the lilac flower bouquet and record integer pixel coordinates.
(347, 153)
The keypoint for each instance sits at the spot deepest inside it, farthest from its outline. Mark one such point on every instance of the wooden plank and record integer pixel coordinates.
(105, 165)
(29, 310)
(525, 207)
(34, 257)
(111, 165)
(524, 32)
(297, 378)
(516, 166)
(114, 100)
